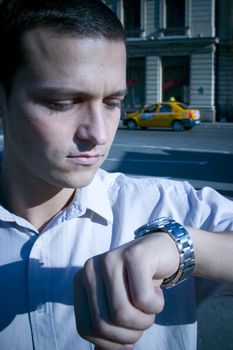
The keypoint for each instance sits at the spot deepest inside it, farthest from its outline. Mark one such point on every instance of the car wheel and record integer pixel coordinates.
(177, 126)
(131, 124)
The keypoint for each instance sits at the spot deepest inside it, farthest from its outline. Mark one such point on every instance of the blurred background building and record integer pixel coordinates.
(181, 49)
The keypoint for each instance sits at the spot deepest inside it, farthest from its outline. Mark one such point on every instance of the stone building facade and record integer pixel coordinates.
(181, 49)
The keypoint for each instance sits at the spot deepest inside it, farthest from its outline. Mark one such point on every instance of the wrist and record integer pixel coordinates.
(183, 243)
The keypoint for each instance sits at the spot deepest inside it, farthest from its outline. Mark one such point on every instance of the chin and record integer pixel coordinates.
(77, 180)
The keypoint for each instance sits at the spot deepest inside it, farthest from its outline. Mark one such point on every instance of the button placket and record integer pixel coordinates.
(39, 294)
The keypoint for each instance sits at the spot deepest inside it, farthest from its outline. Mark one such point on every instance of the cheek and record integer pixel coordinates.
(40, 144)
(37, 132)
(31, 139)
(33, 135)
(112, 129)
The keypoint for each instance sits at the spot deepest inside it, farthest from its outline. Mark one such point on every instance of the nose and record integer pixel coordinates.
(93, 125)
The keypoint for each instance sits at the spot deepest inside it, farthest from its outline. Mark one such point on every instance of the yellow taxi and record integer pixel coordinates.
(175, 115)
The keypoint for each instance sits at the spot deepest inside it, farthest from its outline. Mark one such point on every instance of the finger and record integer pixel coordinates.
(102, 326)
(111, 346)
(145, 292)
(122, 312)
(81, 309)
(83, 320)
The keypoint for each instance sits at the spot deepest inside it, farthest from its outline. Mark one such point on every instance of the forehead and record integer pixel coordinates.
(48, 52)
(42, 38)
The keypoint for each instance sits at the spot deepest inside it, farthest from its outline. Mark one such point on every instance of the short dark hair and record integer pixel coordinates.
(84, 18)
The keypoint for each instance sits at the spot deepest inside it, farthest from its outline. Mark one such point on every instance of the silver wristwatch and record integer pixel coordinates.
(184, 246)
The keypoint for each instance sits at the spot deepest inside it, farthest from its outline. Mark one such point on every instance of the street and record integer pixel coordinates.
(203, 155)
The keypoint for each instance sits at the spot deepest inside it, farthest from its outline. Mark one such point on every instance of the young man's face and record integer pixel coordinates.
(64, 108)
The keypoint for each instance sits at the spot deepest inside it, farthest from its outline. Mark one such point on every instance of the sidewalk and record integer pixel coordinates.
(217, 125)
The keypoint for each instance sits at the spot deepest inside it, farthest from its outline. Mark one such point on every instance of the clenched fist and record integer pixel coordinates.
(117, 294)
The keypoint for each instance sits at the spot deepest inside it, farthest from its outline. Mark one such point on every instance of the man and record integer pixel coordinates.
(63, 80)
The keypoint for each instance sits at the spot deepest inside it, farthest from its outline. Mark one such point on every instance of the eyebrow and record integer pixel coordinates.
(73, 92)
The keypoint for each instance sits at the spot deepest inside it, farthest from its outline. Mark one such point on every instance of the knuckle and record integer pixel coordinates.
(143, 300)
(135, 336)
(131, 254)
(88, 266)
(159, 306)
(88, 269)
(100, 328)
(150, 302)
(122, 318)
(149, 321)
(132, 320)
(108, 259)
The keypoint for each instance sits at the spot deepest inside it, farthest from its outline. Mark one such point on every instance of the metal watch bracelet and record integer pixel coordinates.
(183, 242)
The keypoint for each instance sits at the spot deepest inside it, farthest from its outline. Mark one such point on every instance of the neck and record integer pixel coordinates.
(38, 203)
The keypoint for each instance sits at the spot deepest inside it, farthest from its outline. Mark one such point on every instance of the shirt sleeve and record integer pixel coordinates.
(210, 210)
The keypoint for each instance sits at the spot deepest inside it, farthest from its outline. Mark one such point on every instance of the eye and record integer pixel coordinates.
(113, 103)
(60, 106)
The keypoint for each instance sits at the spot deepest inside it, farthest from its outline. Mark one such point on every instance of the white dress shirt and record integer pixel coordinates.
(36, 269)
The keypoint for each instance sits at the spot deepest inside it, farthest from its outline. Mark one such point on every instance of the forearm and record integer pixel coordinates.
(214, 254)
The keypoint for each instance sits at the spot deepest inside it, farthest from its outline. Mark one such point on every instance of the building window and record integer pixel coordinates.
(132, 18)
(135, 83)
(175, 17)
(175, 72)
(175, 14)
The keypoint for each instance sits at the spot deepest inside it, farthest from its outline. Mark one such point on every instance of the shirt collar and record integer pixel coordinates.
(93, 197)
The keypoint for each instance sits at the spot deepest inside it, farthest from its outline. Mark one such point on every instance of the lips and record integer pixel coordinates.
(84, 159)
